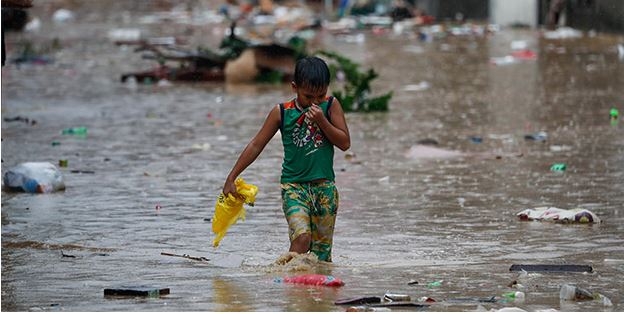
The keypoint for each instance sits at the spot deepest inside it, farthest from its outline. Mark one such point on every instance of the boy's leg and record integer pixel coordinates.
(296, 205)
(323, 219)
(301, 244)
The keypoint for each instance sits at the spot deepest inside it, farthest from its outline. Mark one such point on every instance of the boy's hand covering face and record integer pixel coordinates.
(314, 113)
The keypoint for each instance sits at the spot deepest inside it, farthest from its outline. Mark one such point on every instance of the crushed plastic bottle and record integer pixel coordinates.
(434, 284)
(558, 167)
(229, 210)
(34, 177)
(81, 130)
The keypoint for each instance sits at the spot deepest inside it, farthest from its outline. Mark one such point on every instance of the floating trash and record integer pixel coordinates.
(558, 167)
(313, 280)
(476, 139)
(434, 284)
(80, 131)
(555, 214)
(516, 296)
(423, 85)
(136, 291)
(551, 268)
(34, 177)
(394, 297)
(563, 33)
(538, 137)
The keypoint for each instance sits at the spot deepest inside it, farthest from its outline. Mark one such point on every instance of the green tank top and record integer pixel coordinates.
(308, 155)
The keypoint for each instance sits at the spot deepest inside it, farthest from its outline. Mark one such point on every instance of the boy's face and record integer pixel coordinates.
(307, 95)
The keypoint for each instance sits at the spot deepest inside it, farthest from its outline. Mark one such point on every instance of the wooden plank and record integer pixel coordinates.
(136, 291)
(399, 304)
(551, 268)
(358, 300)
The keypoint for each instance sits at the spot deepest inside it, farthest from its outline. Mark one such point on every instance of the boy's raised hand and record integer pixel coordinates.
(315, 113)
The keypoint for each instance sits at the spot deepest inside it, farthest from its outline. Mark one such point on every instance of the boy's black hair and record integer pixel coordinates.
(312, 72)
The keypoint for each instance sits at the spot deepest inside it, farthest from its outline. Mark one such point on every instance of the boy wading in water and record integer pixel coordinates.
(311, 125)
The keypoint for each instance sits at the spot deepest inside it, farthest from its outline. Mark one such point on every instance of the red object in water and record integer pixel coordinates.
(427, 19)
(378, 30)
(315, 280)
(524, 54)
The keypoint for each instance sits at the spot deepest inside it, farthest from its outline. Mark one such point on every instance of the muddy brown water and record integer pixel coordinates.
(402, 217)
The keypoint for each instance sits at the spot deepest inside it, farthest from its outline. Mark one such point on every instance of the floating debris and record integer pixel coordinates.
(551, 268)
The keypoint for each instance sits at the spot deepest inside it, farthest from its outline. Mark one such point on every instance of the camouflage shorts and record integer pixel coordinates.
(311, 208)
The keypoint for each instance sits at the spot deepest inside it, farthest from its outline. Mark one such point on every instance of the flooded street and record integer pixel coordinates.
(146, 177)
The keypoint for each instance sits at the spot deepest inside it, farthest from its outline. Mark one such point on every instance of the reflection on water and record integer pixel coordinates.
(309, 299)
(155, 158)
(228, 297)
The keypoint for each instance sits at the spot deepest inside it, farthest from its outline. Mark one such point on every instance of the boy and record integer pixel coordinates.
(311, 125)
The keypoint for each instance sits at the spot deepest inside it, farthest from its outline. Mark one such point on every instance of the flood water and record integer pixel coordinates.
(403, 217)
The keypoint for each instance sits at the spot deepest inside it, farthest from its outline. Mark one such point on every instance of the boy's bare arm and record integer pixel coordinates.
(253, 149)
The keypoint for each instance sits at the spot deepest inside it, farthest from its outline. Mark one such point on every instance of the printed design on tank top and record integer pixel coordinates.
(306, 131)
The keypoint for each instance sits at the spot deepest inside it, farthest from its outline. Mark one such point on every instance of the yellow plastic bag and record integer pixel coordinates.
(229, 208)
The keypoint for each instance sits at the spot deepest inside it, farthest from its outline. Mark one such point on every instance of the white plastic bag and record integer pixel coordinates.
(554, 214)
(34, 177)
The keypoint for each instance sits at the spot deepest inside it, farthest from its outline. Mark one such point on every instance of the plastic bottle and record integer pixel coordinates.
(569, 292)
(433, 284)
(605, 301)
(366, 308)
(614, 114)
(81, 130)
(558, 167)
(394, 297)
(517, 296)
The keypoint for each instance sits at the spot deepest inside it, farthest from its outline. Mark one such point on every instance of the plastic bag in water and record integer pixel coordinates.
(34, 177)
(554, 214)
(229, 209)
(313, 280)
